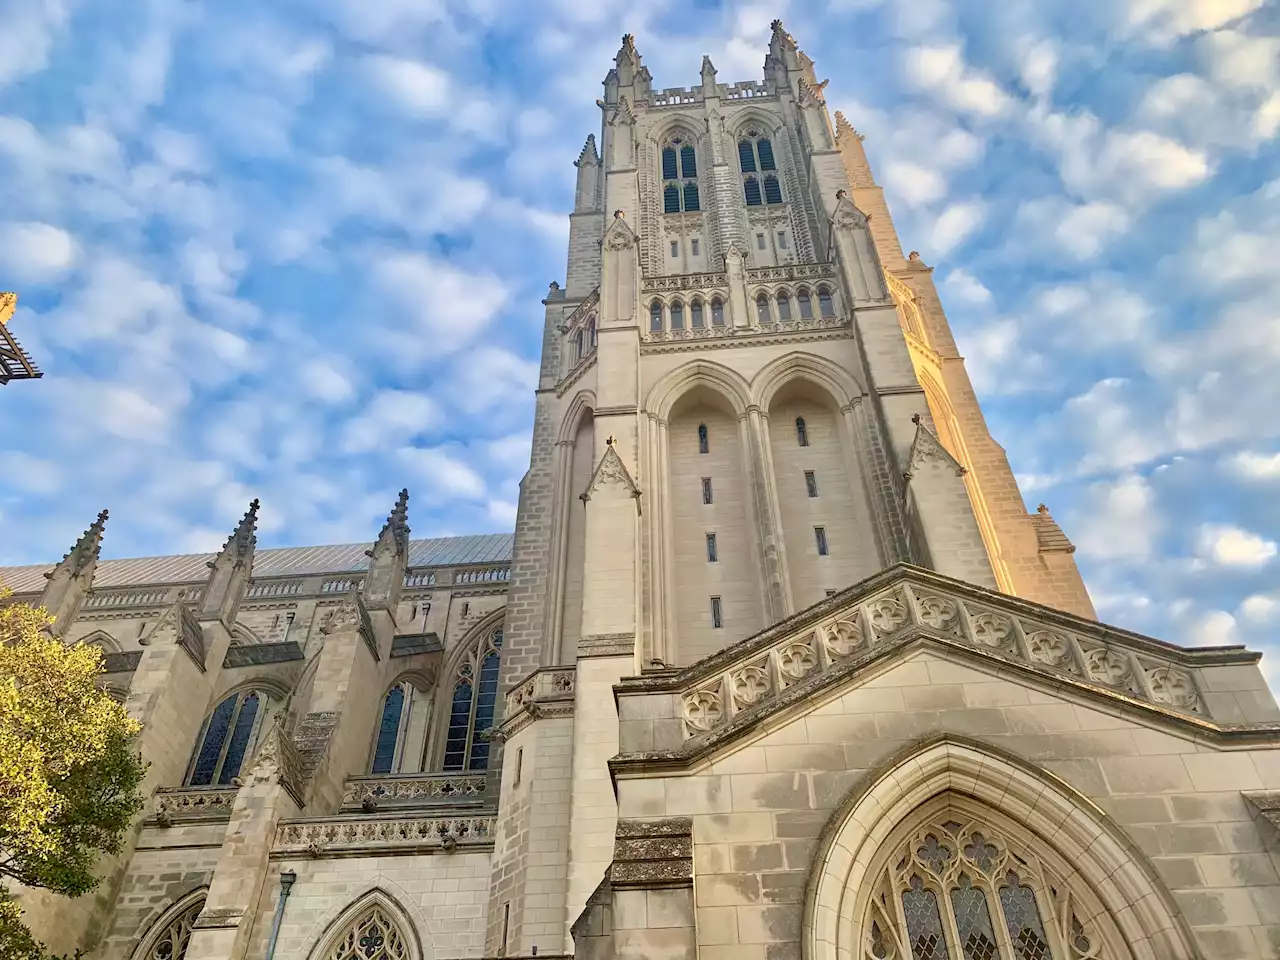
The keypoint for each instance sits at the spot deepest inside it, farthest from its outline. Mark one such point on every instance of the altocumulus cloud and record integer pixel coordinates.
(304, 263)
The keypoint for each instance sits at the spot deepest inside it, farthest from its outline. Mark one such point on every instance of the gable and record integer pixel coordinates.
(847, 642)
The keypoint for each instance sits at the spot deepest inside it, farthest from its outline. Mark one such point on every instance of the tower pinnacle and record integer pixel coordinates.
(229, 571)
(70, 580)
(388, 559)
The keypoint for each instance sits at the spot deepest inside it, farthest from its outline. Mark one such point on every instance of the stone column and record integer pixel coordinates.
(777, 593)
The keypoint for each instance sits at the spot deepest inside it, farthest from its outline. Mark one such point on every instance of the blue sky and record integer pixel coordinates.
(295, 250)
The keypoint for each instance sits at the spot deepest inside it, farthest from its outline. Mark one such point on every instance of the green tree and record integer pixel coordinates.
(69, 774)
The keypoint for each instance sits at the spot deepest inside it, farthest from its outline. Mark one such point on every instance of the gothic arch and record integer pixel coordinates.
(677, 126)
(1133, 900)
(172, 921)
(584, 402)
(664, 394)
(243, 635)
(407, 924)
(400, 723)
(469, 652)
(753, 115)
(272, 686)
(102, 640)
(842, 386)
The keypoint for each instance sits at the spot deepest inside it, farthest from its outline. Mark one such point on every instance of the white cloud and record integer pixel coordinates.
(491, 377)
(1081, 229)
(1038, 68)
(1217, 628)
(420, 88)
(1257, 466)
(35, 252)
(1120, 520)
(1230, 546)
(942, 71)
(28, 473)
(1259, 607)
(391, 418)
(917, 185)
(443, 307)
(324, 381)
(955, 225)
(1166, 20)
(966, 288)
(442, 473)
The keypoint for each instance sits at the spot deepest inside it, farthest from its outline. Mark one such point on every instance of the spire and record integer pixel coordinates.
(588, 156)
(587, 193)
(70, 580)
(627, 61)
(854, 155)
(229, 571)
(388, 559)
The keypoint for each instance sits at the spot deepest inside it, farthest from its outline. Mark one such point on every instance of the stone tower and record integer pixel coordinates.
(749, 400)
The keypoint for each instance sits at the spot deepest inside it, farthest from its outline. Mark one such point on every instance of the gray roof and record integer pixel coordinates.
(280, 562)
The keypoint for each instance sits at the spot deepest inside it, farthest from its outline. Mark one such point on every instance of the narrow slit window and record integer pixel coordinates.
(717, 613)
(704, 441)
(820, 535)
(811, 483)
(519, 767)
(693, 246)
(675, 248)
(695, 314)
(759, 241)
(578, 339)
(506, 926)
(712, 556)
(802, 432)
(706, 490)
(717, 313)
(782, 240)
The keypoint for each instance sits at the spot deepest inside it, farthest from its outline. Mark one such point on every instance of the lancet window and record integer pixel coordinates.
(371, 935)
(171, 934)
(760, 184)
(392, 728)
(679, 177)
(227, 737)
(475, 692)
(960, 889)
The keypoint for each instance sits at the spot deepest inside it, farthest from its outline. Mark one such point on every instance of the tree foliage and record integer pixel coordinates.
(69, 774)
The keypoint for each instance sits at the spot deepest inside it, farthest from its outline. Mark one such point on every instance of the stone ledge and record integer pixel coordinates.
(173, 804)
(1265, 806)
(257, 654)
(653, 853)
(374, 836)
(121, 662)
(430, 790)
(412, 644)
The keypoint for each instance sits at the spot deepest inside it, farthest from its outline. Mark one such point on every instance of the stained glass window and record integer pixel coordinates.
(671, 199)
(762, 308)
(677, 316)
(764, 150)
(1022, 918)
(384, 754)
(169, 941)
(746, 156)
(691, 196)
(688, 162)
(679, 177)
(772, 191)
(755, 153)
(704, 440)
(924, 922)
(226, 738)
(751, 188)
(802, 432)
(973, 921)
(372, 935)
(475, 695)
(669, 171)
(805, 304)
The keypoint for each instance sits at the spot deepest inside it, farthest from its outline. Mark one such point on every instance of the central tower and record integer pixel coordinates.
(749, 399)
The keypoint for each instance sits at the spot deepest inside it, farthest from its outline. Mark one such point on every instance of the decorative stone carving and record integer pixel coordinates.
(428, 789)
(703, 711)
(992, 630)
(611, 470)
(194, 803)
(886, 614)
(1050, 648)
(332, 835)
(843, 638)
(939, 613)
(1110, 667)
(562, 682)
(750, 686)
(797, 660)
(1174, 687)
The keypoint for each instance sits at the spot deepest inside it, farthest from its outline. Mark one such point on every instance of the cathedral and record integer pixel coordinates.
(776, 665)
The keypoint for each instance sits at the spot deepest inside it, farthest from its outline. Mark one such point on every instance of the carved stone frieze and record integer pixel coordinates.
(193, 803)
(339, 836)
(410, 790)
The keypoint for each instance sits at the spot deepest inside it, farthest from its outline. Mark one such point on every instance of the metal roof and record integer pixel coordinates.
(279, 562)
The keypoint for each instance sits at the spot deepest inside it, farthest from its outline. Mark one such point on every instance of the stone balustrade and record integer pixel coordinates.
(353, 836)
(174, 804)
(412, 789)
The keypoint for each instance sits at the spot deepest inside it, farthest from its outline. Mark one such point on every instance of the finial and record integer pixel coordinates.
(840, 194)
(618, 214)
(588, 154)
(708, 68)
(914, 256)
(915, 418)
(628, 41)
(242, 539)
(612, 441)
(1042, 510)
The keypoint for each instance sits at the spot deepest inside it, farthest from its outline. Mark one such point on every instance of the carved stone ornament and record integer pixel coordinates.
(1174, 687)
(797, 660)
(887, 614)
(703, 711)
(847, 216)
(1109, 667)
(843, 638)
(751, 685)
(939, 613)
(1050, 648)
(611, 470)
(992, 630)
(928, 449)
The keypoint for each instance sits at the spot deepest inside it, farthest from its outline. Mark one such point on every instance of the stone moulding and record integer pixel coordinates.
(121, 662)
(193, 803)
(1265, 806)
(363, 836)
(649, 853)
(547, 692)
(252, 655)
(408, 791)
(908, 606)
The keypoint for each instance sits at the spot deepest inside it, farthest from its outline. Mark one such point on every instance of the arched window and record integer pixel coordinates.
(826, 307)
(755, 154)
(802, 432)
(958, 888)
(370, 935)
(679, 177)
(170, 935)
(805, 304)
(577, 344)
(391, 729)
(784, 307)
(704, 444)
(762, 308)
(475, 691)
(717, 312)
(591, 332)
(677, 315)
(655, 316)
(695, 315)
(227, 737)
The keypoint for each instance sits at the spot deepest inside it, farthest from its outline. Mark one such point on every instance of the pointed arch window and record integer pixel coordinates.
(578, 340)
(655, 316)
(171, 934)
(591, 332)
(391, 729)
(704, 442)
(805, 304)
(717, 312)
(762, 308)
(826, 306)
(370, 935)
(784, 307)
(679, 177)
(227, 737)
(475, 692)
(677, 315)
(755, 155)
(695, 315)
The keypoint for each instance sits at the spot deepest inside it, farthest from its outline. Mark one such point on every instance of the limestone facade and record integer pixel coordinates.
(776, 665)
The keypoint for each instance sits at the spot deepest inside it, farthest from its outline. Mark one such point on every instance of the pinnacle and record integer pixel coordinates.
(88, 545)
(242, 539)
